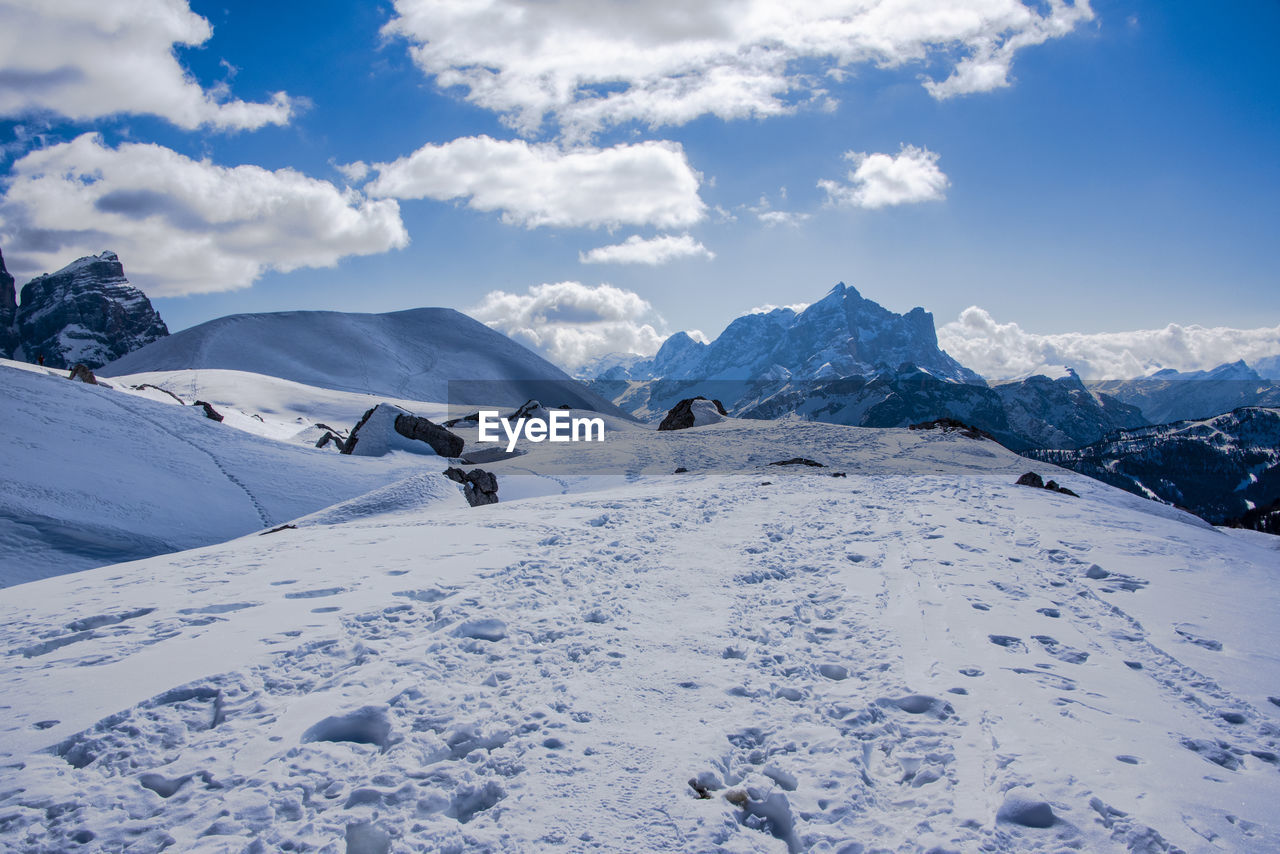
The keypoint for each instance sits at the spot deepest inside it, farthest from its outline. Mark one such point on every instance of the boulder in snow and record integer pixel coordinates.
(83, 374)
(693, 412)
(480, 486)
(1033, 479)
(800, 461)
(387, 428)
(209, 412)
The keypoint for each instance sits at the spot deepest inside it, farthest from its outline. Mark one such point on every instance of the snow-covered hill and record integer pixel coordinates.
(95, 475)
(916, 656)
(413, 354)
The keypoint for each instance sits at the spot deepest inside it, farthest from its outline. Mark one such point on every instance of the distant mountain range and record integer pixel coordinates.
(848, 360)
(1218, 468)
(1169, 395)
(86, 313)
(430, 354)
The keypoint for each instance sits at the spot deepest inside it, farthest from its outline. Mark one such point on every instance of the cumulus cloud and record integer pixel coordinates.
(881, 180)
(589, 64)
(1005, 350)
(571, 323)
(649, 183)
(85, 60)
(654, 251)
(182, 226)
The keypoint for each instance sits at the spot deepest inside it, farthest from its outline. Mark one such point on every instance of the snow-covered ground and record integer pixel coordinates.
(916, 656)
(94, 475)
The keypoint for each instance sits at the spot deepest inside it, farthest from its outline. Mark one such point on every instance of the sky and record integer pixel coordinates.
(1093, 182)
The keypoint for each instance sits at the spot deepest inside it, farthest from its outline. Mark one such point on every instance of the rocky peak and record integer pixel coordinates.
(8, 296)
(86, 313)
(8, 312)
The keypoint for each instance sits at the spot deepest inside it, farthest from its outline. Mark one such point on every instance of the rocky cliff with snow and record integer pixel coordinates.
(843, 334)
(86, 313)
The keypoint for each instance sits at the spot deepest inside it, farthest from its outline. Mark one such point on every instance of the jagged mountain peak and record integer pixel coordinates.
(87, 312)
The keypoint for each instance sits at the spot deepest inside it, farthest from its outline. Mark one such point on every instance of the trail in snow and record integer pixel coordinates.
(874, 660)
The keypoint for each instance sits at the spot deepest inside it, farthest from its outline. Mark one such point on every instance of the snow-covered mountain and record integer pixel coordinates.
(847, 360)
(843, 334)
(425, 354)
(918, 656)
(1268, 368)
(1063, 412)
(85, 313)
(1218, 468)
(1171, 395)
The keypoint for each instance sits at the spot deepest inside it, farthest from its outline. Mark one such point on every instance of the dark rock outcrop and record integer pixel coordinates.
(800, 461)
(480, 486)
(443, 442)
(330, 436)
(1033, 479)
(951, 425)
(390, 425)
(8, 313)
(85, 313)
(83, 374)
(681, 416)
(209, 412)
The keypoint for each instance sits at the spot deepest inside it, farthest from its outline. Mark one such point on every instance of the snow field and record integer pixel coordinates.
(891, 660)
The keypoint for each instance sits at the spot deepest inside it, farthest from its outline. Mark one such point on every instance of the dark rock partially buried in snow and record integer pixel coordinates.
(209, 412)
(480, 486)
(800, 461)
(387, 428)
(1033, 479)
(693, 412)
(82, 374)
(443, 442)
(951, 425)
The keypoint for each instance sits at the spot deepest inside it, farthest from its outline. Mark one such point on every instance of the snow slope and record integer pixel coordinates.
(405, 354)
(917, 656)
(96, 475)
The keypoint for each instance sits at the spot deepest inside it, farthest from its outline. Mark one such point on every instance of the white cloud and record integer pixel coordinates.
(881, 180)
(765, 213)
(571, 323)
(657, 250)
(1005, 350)
(182, 226)
(85, 59)
(590, 64)
(354, 172)
(649, 183)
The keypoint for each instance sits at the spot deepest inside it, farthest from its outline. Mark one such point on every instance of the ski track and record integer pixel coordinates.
(823, 661)
(263, 515)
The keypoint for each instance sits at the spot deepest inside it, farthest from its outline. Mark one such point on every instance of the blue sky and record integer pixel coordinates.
(1124, 179)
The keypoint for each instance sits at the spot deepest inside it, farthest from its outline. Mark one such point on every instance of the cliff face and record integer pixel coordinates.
(8, 312)
(85, 313)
